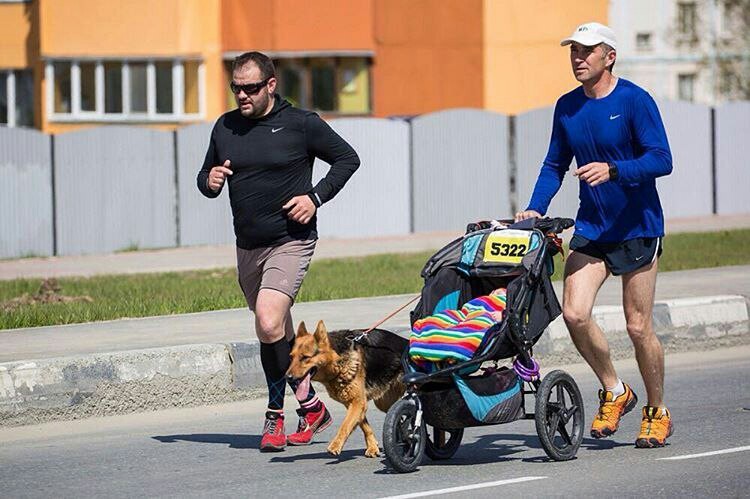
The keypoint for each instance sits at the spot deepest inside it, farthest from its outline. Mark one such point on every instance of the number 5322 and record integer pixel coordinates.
(502, 248)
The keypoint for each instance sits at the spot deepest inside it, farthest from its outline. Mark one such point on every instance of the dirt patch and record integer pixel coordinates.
(49, 292)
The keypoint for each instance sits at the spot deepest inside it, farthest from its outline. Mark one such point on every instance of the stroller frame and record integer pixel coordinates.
(559, 424)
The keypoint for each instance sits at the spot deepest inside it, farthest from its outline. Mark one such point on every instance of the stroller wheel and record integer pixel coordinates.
(403, 440)
(559, 416)
(442, 444)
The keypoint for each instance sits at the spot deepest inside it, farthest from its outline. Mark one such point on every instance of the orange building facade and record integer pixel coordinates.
(71, 63)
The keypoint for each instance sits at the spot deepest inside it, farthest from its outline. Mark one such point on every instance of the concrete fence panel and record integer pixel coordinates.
(733, 158)
(26, 201)
(533, 131)
(115, 190)
(375, 201)
(201, 220)
(688, 191)
(461, 174)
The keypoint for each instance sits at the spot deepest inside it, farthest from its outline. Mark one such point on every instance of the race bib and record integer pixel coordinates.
(506, 246)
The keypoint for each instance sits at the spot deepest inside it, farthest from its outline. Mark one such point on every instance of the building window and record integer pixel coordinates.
(327, 84)
(334, 85)
(113, 87)
(323, 85)
(61, 86)
(643, 41)
(687, 20)
(164, 87)
(686, 87)
(16, 98)
(125, 90)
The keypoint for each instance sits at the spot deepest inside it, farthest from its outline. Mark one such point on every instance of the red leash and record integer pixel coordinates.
(399, 309)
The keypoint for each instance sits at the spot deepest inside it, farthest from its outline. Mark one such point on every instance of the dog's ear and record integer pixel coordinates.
(302, 329)
(321, 333)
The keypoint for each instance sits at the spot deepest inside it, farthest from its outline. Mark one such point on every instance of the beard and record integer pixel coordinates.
(258, 108)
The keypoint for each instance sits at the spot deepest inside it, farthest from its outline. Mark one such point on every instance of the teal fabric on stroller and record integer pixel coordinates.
(493, 408)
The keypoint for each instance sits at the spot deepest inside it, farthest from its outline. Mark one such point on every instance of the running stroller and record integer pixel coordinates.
(449, 397)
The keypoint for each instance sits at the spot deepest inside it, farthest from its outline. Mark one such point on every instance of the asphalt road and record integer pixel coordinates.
(211, 451)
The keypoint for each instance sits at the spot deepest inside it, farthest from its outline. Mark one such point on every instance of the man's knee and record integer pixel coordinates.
(576, 318)
(270, 326)
(640, 329)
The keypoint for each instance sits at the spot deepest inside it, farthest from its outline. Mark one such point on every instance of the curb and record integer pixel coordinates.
(34, 391)
(682, 318)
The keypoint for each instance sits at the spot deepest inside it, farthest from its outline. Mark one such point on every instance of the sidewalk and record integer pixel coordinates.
(209, 257)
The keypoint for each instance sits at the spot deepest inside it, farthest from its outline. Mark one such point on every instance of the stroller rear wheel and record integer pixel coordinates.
(442, 444)
(559, 416)
(403, 439)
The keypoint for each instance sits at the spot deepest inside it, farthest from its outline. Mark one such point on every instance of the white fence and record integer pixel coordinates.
(117, 188)
(114, 190)
(733, 158)
(201, 220)
(26, 199)
(460, 160)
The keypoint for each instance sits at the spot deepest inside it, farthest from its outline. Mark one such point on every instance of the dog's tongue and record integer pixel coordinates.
(303, 388)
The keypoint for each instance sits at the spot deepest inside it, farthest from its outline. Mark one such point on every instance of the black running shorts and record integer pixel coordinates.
(620, 258)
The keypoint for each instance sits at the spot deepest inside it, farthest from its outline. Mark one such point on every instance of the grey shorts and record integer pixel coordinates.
(278, 267)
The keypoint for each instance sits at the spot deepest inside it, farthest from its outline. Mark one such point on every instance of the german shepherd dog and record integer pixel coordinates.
(352, 372)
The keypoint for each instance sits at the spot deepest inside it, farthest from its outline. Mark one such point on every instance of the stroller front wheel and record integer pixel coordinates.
(403, 439)
(559, 416)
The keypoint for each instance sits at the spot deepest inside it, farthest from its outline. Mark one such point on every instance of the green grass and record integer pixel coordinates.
(175, 293)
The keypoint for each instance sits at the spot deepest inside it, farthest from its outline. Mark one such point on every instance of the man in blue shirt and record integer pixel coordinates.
(614, 131)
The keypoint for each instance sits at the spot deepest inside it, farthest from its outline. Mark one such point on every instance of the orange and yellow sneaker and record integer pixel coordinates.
(656, 427)
(611, 409)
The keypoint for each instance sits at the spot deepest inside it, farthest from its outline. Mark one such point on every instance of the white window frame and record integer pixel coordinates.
(10, 96)
(126, 116)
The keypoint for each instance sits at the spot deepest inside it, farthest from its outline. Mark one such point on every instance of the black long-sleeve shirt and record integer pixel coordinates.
(271, 160)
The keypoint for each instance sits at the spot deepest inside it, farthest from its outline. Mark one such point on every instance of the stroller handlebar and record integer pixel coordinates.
(553, 225)
(546, 225)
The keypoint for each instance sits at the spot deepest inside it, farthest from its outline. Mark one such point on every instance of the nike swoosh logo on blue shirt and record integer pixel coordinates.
(274, 130)
(614, 117)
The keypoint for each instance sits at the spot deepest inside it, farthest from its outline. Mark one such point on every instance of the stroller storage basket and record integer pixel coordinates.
(493, 397)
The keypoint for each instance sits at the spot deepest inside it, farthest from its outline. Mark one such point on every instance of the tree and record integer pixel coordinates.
(733, 50)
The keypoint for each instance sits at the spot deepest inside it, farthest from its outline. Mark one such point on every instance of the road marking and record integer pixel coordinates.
(467, 487)
(704, 454)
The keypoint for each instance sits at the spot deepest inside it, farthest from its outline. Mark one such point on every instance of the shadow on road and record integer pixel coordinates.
(498, 448)
(234, 441)
(346, 455)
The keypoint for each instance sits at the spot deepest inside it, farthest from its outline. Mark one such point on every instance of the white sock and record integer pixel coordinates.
(618, 390)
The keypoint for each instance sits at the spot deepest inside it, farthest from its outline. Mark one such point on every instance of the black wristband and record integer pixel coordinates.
(613, 171)
(314, 198)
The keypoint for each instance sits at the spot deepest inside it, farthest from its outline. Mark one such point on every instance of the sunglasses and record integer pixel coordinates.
(250, 88)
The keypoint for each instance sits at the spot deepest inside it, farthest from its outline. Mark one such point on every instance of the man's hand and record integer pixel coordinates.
(218, 174)
(593, 173)
(301, 209)
(523, 215)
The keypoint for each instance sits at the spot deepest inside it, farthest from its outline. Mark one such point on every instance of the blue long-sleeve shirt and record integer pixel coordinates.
(623, 128)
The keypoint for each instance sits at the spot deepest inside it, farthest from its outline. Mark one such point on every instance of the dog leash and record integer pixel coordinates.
(363, 334)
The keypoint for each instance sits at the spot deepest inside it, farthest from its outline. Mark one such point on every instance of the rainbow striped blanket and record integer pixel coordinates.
(454, 335)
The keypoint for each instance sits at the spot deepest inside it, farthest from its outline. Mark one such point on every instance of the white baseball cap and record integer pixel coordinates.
(591, 34)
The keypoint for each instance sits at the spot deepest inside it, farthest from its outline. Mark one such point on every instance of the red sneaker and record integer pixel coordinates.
(310, 423)
(273, 432)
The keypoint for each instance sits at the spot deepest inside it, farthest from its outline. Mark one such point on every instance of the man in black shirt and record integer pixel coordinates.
(265, 150)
